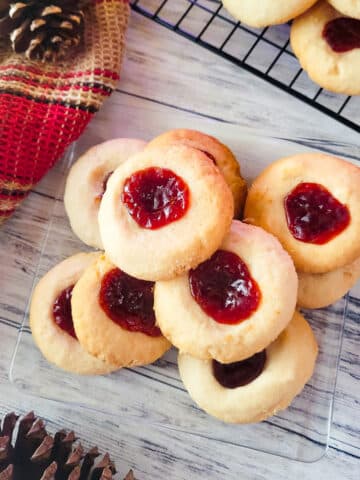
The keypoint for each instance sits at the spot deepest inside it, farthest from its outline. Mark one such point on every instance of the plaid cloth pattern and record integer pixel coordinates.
(45, 107)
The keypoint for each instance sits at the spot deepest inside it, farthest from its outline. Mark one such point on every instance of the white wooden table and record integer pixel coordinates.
(165, 77)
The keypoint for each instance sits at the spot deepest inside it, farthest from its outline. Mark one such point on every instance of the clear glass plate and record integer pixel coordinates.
(154, 395)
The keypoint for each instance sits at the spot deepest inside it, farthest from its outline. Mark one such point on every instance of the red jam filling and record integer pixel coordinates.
(104, 186)
(239, 374)
(313, 215)
(155, 197)
(224, 288)
(62, 311)
(342, 34)
(129, 302)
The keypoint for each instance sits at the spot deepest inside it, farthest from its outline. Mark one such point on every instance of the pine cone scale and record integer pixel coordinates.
(16, 10)
(75, 474)
(36, 24)
(43, 452)
(7, 474)
(18, 37)
(50, 472)
(50, 10)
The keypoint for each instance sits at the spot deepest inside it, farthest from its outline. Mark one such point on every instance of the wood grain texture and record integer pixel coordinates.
(167, 81)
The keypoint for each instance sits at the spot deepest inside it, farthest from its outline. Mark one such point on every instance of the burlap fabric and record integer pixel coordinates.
(45, 107)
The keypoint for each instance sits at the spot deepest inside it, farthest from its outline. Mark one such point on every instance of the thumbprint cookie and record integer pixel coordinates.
(262, 13)
(257, 387)
(220, 154)
(351, 8)
(233, 304)
(327, 44)
(311, 203)
(51, 319)
(165, 211)
(87, 182)
(318, 290)
(114, 317)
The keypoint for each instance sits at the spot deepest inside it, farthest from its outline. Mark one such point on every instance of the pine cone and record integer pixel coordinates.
(27, 452)
(42, 29)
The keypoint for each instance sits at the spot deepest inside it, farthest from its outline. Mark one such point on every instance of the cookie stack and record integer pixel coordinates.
(177, 269)
(94, 313)
(325, 36)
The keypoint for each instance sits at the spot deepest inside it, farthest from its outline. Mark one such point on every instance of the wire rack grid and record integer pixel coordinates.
(264, 52)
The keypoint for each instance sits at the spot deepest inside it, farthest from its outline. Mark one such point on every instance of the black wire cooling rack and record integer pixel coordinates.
(264, 52)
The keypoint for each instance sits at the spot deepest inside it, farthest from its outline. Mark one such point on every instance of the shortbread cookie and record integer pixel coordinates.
(327, 45)
(114, 317)
(351, 8)
(86, 184)
(164, 211)
(234, 304)
(259, 387)
(311, 203)
(262, 13)
(322, 289)
(51, 318)
(219, 153)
